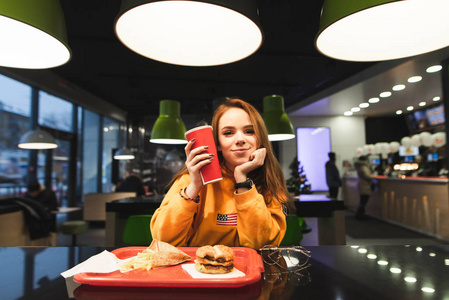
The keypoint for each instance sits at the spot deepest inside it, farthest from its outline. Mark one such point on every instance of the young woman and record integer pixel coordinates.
(249, 214)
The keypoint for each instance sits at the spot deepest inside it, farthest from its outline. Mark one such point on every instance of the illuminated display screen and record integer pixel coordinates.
(423, 119)
(435, 115)
(313, 146)
(411, 151)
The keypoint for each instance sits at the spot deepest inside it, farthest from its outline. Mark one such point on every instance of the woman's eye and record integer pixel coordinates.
(227, 132)
(249, 131)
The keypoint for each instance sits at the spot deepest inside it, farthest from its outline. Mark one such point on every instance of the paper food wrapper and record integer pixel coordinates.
(167, 255)
(106, 262)
(190, 268)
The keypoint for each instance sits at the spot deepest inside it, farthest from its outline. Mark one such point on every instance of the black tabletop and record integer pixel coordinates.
(316, 205)
(6, 208)
(307, 205)
(139, 205)
(335, 272)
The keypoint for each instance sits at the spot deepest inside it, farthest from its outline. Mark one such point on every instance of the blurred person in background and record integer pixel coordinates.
(365, 185)
(132, 183)
(43, 195)
(333, 179)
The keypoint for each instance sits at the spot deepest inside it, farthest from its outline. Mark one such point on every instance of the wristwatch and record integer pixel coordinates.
(248, 183)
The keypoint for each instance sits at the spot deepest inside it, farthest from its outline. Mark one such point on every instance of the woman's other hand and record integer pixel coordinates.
(256, 159)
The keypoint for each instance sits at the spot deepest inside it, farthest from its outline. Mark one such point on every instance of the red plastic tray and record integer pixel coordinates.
(246, 260)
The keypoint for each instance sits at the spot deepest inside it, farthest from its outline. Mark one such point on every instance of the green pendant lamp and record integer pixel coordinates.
(377, 30)
(33, 34)
(169, 127)
(37, 139)
(276, 120)
(190, 32)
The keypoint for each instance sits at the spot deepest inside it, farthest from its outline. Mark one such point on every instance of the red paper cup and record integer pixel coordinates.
(203, 137)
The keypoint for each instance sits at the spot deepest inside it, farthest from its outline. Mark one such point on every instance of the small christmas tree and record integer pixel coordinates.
(297, 183)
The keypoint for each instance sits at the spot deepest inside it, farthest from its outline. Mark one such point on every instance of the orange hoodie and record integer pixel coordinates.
(221, 217)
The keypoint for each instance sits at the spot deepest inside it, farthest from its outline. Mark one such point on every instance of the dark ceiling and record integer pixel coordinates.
(287, 63)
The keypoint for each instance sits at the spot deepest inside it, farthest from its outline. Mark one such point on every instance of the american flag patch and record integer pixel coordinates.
(227, 220)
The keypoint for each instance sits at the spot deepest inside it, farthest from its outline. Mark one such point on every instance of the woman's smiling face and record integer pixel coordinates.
(236, 137)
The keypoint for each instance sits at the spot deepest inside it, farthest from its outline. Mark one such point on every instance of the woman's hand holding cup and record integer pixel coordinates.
(196, 159)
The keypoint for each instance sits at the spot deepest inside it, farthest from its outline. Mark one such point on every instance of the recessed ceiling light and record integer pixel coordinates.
(399, 112)
(434, 69)
(395, 270)
(409, 108)
(363, 105)
(437, 98)
(374, 100)
(385, 94)
(399, 87)
(414, 79)
(355, 109)
(428, 290)
(348, 113)
(422, 103)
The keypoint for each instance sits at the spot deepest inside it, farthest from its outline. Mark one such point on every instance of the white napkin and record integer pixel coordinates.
(104, 262)
(190, 268)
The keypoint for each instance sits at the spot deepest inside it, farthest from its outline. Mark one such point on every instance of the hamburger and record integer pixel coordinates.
(218, 259)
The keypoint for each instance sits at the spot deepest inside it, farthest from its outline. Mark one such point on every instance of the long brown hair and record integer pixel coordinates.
(269, 178)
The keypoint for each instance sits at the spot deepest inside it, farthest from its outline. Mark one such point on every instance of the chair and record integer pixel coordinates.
(137, 231)
(74, 228)
(293, 234)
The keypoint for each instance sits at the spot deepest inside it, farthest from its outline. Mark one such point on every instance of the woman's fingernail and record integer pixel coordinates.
(211, 154)
(192, 140)
(206, 147)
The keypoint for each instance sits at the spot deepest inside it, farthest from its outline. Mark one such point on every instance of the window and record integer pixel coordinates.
(15, 111)
(92, 173)
(91, 144)
(79, 153)
(55, 112)
(111, 137)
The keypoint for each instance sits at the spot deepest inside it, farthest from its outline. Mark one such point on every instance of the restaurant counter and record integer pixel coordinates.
(417, 203)
(333, 272)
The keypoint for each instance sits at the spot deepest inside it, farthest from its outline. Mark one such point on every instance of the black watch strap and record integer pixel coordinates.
(248, 183)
